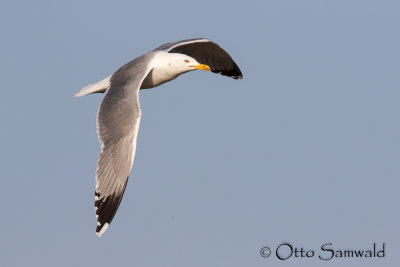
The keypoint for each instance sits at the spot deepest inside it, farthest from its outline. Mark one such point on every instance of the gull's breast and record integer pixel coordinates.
(156, 77)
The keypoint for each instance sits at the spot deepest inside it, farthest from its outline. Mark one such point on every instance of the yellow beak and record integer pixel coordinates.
(202, 67)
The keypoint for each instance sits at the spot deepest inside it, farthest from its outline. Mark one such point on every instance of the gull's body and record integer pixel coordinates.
(119, 113)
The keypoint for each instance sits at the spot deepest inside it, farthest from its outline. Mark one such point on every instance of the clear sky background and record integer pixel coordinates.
(305, 149)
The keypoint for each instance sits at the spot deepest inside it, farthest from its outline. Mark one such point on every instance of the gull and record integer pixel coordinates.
(118, 116)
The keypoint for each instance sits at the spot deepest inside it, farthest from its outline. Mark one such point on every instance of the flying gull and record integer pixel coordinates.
(119, 113)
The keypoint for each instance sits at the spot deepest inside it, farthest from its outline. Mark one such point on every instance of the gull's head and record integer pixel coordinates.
(182, 63)
(168, 66)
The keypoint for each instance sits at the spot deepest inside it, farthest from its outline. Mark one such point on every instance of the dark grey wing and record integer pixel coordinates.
(206, 52)
(118, 121)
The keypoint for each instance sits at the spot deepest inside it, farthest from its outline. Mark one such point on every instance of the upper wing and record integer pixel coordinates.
(118, 121)
(206, 52)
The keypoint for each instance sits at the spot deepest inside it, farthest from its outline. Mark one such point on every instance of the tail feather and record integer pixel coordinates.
(99, 87)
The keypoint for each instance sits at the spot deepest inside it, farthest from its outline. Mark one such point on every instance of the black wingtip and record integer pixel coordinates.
(106, 207)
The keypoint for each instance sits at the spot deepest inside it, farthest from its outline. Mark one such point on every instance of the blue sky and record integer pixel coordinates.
(305, 149)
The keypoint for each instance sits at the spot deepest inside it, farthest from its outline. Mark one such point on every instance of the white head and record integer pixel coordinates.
(185, 63)
(176, 63)
(168, 66)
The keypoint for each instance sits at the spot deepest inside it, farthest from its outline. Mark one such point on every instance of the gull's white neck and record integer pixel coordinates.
(164, 69)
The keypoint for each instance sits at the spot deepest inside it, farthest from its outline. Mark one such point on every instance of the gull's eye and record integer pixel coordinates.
(186, 61)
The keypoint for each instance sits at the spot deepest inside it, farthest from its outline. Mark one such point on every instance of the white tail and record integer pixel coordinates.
(99, 87)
